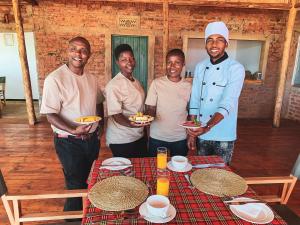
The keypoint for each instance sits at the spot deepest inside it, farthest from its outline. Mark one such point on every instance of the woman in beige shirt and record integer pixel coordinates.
(125, 97)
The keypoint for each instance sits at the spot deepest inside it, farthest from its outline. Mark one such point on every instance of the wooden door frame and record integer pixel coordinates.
(151, 45)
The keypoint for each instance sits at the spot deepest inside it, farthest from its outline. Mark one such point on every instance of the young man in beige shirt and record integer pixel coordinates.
(69, 93)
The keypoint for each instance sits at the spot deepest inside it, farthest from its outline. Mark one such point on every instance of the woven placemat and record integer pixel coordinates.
(118, 193)
(218, 182)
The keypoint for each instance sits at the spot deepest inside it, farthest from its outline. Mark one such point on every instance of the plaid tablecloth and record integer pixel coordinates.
(192, 206)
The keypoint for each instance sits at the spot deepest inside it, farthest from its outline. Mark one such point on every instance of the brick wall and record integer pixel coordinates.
(54, 22)
(291, 106)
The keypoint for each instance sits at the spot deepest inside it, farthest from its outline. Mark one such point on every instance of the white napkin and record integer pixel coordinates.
(250, 209)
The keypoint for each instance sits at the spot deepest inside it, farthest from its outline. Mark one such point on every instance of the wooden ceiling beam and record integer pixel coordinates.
(221, 4)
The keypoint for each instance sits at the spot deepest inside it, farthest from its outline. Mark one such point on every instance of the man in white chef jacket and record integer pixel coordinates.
(216, 89)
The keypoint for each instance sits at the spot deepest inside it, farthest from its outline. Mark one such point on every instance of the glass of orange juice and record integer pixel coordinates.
(163, 182)
(162, 153)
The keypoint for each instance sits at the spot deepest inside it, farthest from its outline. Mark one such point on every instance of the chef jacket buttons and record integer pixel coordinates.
(207, 67)
(218, 68)
(210, 116)
(202, 99)
(214, 83)
(211, 99)
(200, 115)
(203, 83)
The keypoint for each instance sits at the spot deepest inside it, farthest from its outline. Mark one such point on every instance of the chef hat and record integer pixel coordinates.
(217, 28)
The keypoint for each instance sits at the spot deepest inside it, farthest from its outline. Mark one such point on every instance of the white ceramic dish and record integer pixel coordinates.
(258, 213)
(115, 163)
(155, 219)
(185, 169)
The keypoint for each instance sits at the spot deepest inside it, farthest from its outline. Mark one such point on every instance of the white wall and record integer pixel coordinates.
(246, 52)
(10, 65)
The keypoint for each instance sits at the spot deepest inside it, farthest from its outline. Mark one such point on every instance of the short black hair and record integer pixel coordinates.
(83, 40)
(122, 48)
(176, 52)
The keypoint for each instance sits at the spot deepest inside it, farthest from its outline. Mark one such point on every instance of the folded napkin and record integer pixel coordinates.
(250, 209)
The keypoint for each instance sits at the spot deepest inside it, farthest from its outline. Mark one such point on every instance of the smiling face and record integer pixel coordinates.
(175, 63)
(215, 46)
(78, 55)
(126, 63)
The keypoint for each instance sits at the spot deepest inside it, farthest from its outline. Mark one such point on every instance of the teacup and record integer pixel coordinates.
(179, 162)
(158, 205)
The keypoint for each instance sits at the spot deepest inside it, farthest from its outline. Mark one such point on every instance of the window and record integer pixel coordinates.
(251, 52)
(296, 75)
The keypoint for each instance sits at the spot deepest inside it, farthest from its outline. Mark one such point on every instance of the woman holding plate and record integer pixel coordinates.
(167, 101)
(126, 98)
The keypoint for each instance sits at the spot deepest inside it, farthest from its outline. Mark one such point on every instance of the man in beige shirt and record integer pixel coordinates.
(69, 93)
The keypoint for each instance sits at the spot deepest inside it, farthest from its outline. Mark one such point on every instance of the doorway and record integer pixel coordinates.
(139, 45)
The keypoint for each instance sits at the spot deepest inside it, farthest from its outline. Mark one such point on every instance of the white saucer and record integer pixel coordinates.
(187, 168)
(118, 161)
(258, 213)
(153, 219)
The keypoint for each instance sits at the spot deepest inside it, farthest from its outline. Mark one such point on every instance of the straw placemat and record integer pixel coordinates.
(218, 182)
(118, 193)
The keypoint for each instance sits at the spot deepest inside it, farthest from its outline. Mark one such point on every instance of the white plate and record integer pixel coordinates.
(118, 161)
(258, 213)
(153, 219)
(192, 127)
(187, 168)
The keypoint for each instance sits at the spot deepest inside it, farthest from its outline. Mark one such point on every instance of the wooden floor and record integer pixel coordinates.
(29, 162)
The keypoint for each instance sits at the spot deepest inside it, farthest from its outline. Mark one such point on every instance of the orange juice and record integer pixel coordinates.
(162, 186)
(161, 160)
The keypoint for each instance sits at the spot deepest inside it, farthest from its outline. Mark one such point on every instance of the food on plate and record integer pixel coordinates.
(192, 123)
(139, 117)
(87, 119)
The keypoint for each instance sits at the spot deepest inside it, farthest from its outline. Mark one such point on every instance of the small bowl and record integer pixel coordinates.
(179, 162)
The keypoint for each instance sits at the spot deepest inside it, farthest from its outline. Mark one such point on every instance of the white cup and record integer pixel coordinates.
(179, 162)
(158, 205)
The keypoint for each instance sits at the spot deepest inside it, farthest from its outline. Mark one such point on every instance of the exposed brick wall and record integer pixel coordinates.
(291, 106)
(54, 22)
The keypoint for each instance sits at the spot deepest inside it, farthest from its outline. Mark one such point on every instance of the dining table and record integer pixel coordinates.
(192, 206)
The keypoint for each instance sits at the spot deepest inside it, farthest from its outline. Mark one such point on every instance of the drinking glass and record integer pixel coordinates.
(162, 153)
(163, 182)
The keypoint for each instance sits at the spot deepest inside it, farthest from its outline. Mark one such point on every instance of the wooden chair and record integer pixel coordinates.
(2, 90)
(16, 217)
(289, 183)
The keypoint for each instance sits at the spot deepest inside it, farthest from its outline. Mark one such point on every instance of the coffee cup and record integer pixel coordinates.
(179, 162)
(158, 205)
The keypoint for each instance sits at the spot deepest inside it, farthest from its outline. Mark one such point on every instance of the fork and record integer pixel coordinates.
(187, 177)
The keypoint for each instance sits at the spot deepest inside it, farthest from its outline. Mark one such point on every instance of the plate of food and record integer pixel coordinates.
(140, 118)
(88, 119)
(192, 124)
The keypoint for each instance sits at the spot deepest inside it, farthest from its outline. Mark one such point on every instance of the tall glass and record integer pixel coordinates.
(162, 153)
(163, 182)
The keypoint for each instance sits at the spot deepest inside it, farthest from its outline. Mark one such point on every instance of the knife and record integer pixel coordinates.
(243, 202)
(115, 165)
(200, 166)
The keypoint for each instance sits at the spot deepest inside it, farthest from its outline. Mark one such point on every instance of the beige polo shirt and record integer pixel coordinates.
(171, 100)
(126, 97)
(71, 96)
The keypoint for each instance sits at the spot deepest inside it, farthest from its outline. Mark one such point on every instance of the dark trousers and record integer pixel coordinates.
(136, 149)
(220, 148)
(175, 148)
(76, 157)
